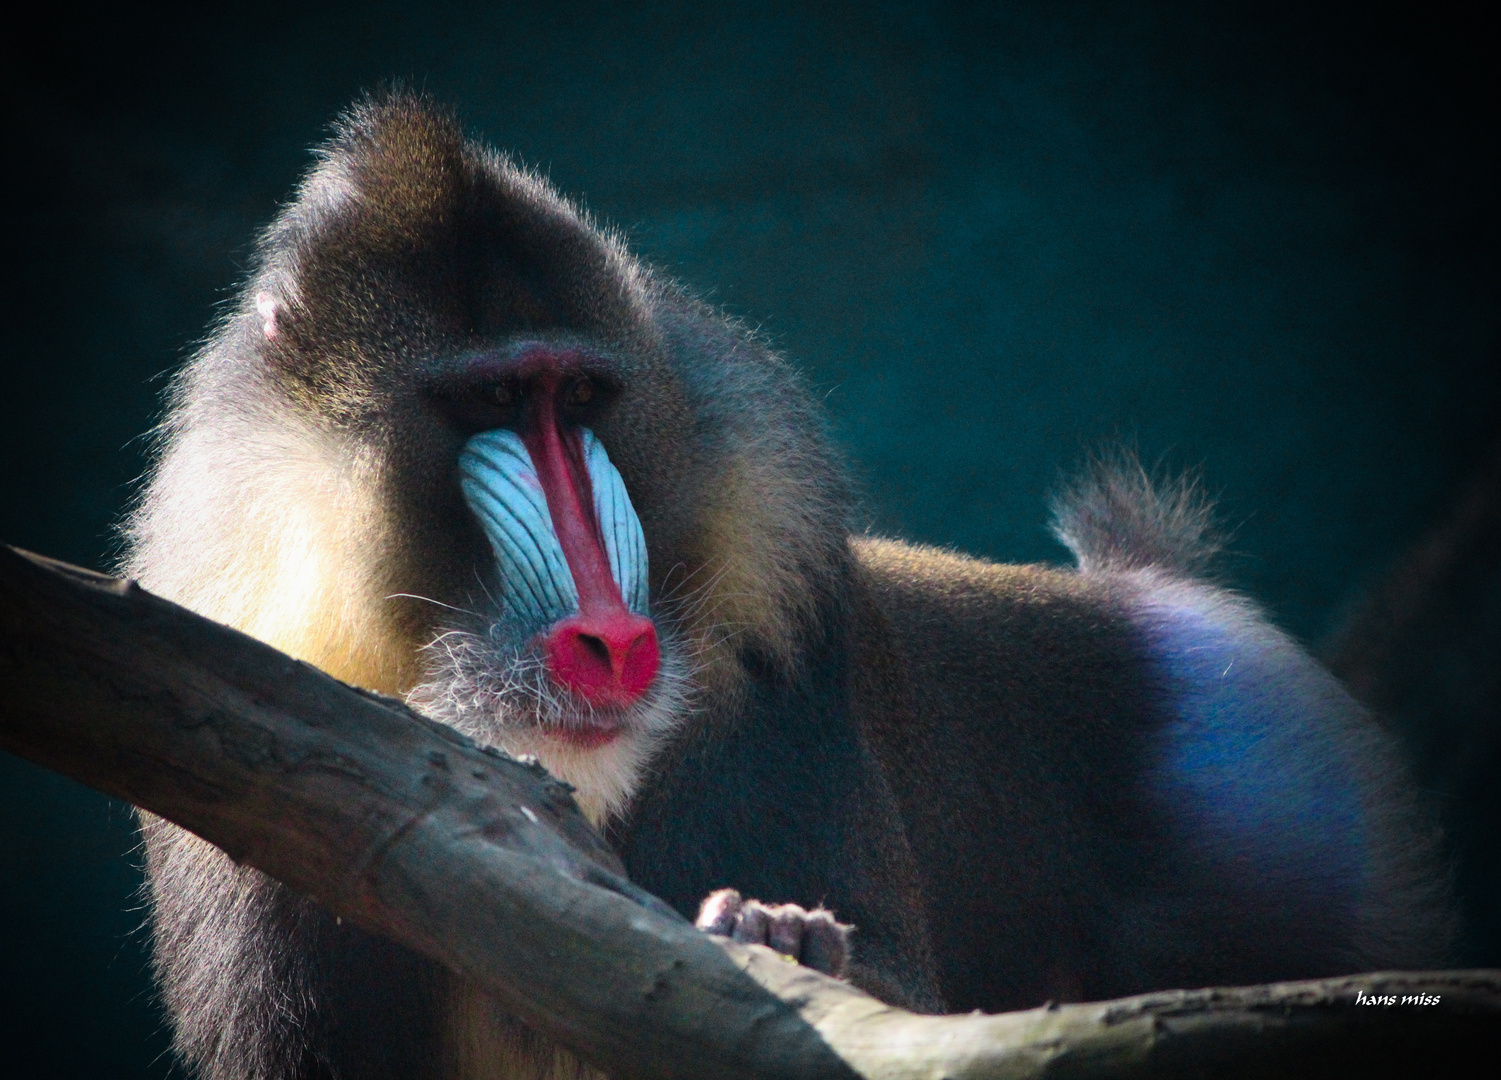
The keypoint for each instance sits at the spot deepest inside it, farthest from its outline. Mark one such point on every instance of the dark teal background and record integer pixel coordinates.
(1257, 239)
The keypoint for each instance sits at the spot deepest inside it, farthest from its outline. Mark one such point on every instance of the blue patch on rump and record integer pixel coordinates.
(1257, 763)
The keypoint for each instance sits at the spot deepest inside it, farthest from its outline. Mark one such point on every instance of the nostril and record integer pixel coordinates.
(596, 647)
(609, 659)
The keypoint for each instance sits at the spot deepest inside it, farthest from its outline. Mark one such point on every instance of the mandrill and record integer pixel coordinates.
(455, 443)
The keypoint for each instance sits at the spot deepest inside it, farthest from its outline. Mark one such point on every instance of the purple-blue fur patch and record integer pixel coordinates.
(1256, 763)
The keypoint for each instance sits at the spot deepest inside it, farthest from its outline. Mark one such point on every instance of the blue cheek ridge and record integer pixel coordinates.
(619, 527)
(500, 485)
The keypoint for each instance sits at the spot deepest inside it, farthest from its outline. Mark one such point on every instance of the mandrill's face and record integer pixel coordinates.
(559, 655)
(518, 417)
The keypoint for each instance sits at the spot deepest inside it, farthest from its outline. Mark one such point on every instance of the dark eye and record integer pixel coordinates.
(481, 405)
(581, 392)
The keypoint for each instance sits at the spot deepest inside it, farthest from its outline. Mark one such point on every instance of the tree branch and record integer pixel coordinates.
(483, 863)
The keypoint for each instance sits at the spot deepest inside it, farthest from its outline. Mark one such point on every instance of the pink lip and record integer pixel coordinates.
(586, 736)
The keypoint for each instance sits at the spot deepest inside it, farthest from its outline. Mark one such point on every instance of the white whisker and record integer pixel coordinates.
(430, 600)
(499, 693)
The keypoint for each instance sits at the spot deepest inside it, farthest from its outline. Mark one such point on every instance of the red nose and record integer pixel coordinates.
(610, 658)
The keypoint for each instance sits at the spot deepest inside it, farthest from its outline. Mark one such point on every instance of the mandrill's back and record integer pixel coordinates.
(1123, 779)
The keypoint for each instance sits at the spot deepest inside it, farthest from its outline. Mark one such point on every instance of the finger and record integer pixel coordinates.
(826, 943)
(784, 931)
(719, 913)
(752, 927)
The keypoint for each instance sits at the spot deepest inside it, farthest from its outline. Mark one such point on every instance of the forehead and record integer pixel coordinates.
(410, 250)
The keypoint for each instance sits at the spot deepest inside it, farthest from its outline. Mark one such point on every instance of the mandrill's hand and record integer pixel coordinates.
(812, 938)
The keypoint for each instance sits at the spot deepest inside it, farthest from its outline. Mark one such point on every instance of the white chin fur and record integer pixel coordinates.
(507, 701)
(604, 777)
